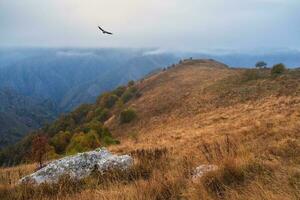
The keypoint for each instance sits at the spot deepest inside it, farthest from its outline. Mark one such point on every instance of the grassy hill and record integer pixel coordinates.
(246, 121)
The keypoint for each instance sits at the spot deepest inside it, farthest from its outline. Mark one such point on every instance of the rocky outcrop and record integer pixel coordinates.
(79, 166)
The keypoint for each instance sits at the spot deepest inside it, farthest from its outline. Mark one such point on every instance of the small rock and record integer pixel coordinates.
(203, 169)
(79, 166)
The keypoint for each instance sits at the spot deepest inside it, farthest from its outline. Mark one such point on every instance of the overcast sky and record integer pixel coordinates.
(168, 24)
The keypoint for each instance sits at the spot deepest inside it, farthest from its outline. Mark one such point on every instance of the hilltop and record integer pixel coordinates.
(204, 100)
(246, 121)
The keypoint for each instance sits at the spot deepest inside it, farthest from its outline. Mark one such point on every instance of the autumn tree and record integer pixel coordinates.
(39, 148)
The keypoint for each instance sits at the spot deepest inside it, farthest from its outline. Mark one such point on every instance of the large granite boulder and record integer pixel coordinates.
(79, 166)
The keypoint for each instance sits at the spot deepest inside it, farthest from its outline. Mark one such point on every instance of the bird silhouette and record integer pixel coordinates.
(105, 32)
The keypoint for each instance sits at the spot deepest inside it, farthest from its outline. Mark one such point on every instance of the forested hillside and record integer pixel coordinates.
(20, 114)
(80, 130)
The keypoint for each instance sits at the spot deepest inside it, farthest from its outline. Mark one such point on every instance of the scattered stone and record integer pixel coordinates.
(79, 166)
(203, 169)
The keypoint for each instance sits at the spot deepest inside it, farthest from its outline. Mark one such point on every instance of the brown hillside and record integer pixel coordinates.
(206, 99)
(172, 96)
(247, 122)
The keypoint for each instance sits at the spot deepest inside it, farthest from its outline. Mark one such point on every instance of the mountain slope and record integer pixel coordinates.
(205, 99)
(20, 115)
(185, 101)
(65, 78)
(133, 69)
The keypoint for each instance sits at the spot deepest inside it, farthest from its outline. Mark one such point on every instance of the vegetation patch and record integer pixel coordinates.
(102, 114)
(80, 130)
(129, 94)
(108, 100)
(278, 69)
(127, 115)
(119, 91)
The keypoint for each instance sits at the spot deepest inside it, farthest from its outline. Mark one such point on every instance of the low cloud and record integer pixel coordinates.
(72, 53)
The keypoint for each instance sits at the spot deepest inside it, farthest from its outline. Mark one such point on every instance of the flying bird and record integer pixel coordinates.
(104, 32)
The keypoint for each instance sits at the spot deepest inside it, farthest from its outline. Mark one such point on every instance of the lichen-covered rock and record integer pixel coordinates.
(203, 169)
(79, 166)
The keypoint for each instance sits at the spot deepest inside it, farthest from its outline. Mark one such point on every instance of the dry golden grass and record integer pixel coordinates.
(201, 112)
(9, 176)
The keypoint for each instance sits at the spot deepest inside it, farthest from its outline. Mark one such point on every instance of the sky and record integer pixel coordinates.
(167, 24)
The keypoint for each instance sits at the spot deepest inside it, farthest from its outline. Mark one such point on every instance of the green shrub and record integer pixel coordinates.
(107, 100)
(132, 89)
(102, 114)
(92, 125)
(79, 114)
(107, 139)
(127, 115)
(278, 69)
(120, 104)
(110, 101)
(105, 132)
(119, 91)
(64, 123)
(60, 141)
(81, 142)
(129, 94)
(130, 83)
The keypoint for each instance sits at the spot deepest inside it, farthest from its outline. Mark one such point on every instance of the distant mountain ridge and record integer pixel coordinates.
(64, 78)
